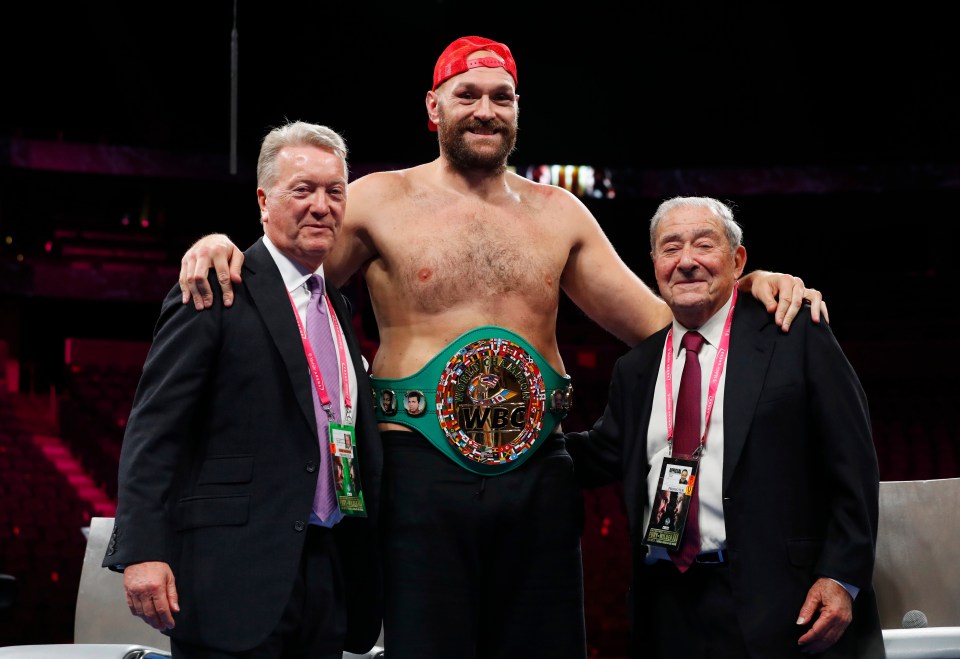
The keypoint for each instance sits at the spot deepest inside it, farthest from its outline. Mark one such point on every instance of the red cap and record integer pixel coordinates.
(454, 61)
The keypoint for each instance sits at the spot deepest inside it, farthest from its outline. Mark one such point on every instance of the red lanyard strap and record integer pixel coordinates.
(312, 359)
(718, 364)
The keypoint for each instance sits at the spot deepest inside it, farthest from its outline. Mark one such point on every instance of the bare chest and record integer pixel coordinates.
(455, 258)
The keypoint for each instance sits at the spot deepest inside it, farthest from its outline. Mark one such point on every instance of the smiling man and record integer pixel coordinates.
(465, 261)
(770, 552)
(231, 536)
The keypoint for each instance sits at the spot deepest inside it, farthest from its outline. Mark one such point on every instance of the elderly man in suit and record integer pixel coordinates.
(232, 534)
(773, 553)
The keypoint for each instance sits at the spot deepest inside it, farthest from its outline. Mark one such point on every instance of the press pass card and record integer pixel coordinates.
(668, 513)
(346, 475)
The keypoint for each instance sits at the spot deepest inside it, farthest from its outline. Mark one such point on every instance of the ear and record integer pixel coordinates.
(739, 261)
(262, 202)
(432, 101)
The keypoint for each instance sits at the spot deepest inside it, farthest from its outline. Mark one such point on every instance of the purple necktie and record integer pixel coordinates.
(686, 440)
(321, 340)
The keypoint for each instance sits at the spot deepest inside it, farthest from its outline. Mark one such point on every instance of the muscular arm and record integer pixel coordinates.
(598, 281)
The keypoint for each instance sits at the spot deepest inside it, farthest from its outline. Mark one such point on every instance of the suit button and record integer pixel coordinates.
(311, 466)
(299, 526)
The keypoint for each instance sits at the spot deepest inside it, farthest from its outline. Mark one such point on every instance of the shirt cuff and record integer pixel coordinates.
(853, 590)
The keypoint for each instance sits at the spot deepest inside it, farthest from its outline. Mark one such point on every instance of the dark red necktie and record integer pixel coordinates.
(686, 440)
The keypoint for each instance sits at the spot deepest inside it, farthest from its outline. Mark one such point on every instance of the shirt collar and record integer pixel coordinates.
(293, 274)
(712, 330)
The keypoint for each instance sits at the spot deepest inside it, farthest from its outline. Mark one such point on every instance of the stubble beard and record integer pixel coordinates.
(463, 158)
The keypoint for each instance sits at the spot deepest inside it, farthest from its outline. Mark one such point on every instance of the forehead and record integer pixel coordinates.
(301, 157)
(685, 220)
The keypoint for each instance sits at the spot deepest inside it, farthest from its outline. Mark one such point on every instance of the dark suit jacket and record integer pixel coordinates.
(219, 465)
(800, 475)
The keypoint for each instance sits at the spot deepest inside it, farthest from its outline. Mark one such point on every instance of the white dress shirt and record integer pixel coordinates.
(295, 279)
(713, 535)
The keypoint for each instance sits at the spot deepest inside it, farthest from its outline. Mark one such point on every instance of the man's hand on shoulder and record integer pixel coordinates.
(782, 295)
(217, 251)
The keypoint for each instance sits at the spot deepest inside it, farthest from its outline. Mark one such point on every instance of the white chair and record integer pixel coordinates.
(917, 573)
(102, 614)
(103, 625)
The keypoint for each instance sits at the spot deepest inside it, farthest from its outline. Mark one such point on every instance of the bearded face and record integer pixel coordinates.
(465, 156)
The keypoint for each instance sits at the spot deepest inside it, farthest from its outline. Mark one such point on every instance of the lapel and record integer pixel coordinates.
(345, 318)
(647, 372)
(263, 281)
(751, 348)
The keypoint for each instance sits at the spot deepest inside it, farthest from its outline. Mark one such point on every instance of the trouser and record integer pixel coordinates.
(691, 615)
(314, 623)
(481, 567)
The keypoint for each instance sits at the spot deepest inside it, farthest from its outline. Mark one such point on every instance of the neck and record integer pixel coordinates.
(690, 320)
(696, 317)
(482, 181)
(310, 264)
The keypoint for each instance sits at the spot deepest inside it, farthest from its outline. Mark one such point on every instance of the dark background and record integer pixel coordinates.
(618, 84)
(832, 128)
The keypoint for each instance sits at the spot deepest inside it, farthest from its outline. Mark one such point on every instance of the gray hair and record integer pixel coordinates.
(723, 213)
(295, 133)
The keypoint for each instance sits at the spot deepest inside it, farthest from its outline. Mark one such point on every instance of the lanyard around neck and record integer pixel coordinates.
(312, 359)
(718, 364)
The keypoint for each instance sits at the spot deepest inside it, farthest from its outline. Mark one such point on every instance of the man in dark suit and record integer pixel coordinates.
(784, 471)
(217, 531)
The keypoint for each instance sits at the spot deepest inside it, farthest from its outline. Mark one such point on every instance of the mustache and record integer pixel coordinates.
(475, 124)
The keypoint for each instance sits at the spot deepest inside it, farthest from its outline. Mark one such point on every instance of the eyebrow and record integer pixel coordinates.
(499, 87)
(699, 234)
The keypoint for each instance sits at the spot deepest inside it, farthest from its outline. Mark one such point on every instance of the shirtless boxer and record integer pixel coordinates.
(464, 262)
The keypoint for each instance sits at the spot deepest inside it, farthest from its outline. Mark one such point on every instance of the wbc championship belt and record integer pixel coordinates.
(487, 400)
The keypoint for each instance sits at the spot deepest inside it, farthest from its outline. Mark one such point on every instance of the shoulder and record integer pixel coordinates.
(544, 193)
(751, 316)
(650, 349)
(255, 254)
(749, 307)
(383, 194)
(386, 182)
(557, 207)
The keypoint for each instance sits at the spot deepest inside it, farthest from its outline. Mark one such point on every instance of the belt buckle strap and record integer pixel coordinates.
(561, 400)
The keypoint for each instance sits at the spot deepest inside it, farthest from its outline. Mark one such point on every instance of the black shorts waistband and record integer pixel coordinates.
(551, 444)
